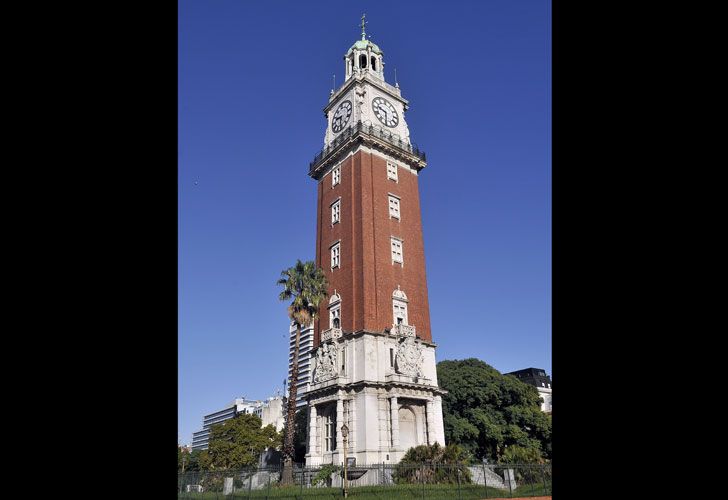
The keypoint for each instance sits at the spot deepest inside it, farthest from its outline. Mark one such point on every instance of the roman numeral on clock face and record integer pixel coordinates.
(385, 112)
(341, 116)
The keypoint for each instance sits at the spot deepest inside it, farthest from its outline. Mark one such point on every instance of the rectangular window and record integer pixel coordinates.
(329, 422)
(343, 360)
(391, 171)
(393, 206)
(400, 312)
(391, 357)
(335, 211)
(397, 255)
(335, 250)
(336, 176)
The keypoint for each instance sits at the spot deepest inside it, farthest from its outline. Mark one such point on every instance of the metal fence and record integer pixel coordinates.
(425, 480)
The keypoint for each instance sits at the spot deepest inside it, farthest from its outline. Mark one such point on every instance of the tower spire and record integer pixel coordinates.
(363, 30)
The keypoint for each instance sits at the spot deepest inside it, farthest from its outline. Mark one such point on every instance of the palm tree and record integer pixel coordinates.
(307, 285)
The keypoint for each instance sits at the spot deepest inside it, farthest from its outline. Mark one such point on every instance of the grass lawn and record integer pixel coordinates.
(431, 491)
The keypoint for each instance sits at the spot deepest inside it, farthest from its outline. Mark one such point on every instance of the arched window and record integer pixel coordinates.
(362, 61)
(374, 63)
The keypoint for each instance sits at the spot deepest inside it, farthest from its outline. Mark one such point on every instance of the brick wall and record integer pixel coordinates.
(367, 277)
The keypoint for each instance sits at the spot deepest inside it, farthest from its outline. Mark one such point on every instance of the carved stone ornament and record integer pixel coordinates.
(360, 98)
(331, 334)
(408, 360)
(399, 294)
(326, 363)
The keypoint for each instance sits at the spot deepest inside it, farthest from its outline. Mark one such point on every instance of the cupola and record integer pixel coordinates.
(364, 57)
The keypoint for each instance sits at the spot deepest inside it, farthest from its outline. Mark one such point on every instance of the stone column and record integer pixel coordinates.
(339, 423)
(352, 425)
(395, 423)
(431, 430)
(312, 431)
(383, 422)
(437, 406)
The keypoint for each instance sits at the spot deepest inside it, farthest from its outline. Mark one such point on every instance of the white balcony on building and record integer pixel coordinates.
(330, 334)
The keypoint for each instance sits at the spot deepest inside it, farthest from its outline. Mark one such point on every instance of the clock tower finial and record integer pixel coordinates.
(364, 57)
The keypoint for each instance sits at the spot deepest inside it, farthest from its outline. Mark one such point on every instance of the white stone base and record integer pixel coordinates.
(385, 410)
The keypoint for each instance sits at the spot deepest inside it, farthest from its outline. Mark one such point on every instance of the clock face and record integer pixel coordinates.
(343, 112)
(385, 112)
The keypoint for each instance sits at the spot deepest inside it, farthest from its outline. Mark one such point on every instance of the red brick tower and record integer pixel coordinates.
(375, 328)
(369, 232)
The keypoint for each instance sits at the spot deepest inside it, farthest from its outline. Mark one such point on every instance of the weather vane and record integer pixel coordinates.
(363, 23)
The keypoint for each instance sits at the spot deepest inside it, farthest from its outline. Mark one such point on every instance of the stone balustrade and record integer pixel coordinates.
(404, 330)
(330, 334)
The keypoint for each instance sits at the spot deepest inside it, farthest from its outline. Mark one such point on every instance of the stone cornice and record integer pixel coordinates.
(360, 333)
(360, 136)
(406, 388)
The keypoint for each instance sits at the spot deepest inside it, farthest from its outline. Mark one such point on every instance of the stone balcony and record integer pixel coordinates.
(404, 330)
(330, 334)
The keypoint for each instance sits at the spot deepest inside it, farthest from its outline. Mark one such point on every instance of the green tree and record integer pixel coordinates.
(188, 461)
(300, 435)
(193, 463)
(485, 411)
(239, 441)
(205, 460)
(307, 286)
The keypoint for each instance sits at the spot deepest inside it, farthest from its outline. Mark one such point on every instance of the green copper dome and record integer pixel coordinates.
(363, 44)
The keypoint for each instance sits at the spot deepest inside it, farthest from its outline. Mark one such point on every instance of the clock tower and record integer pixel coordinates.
(374, 367)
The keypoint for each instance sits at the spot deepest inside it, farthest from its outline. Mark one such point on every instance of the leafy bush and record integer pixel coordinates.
(433, 464)
(518, 455)
(212, 482)
(324, 475)
(526, 456)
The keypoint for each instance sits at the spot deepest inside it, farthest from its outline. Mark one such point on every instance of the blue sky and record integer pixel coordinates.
(253, 79)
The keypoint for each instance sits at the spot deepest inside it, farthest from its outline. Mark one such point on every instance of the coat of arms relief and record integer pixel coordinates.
(408, 360)
(326, 363)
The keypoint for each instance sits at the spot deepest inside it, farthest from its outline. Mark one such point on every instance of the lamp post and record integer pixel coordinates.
(344, 434)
